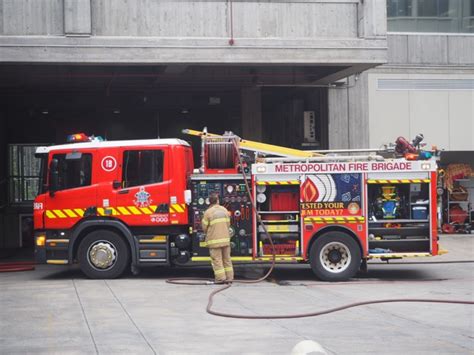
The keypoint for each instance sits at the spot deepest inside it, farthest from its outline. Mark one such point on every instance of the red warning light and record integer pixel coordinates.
(78, 137)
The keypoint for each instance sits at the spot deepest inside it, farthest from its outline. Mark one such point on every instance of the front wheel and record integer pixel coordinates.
(103, 254)
(335, 256)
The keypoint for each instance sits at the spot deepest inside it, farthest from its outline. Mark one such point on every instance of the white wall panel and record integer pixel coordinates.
(429, 115)
(461, 120)
(445, 116)
(389, 115)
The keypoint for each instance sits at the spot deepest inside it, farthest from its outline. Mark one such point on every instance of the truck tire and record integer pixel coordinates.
(335, 256)
(103, 254)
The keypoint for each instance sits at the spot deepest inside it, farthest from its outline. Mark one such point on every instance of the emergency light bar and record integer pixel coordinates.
(82, 137)
(78, 137)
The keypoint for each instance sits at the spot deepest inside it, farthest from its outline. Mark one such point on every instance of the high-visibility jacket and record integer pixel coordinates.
(216, 223)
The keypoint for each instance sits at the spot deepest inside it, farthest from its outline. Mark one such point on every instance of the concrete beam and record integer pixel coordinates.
(344, 73)
(149, 50)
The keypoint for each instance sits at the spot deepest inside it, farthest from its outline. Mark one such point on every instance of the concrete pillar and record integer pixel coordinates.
(77, 17)
(372, 18)
(359, 112)
(348, 114)
(251, 108)
(338, 125)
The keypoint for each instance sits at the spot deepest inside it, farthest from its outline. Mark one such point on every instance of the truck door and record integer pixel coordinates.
(143, 198)
(76, 189)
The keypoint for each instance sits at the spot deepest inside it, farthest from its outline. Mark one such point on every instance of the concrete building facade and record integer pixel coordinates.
(147, 68)
(426, 86)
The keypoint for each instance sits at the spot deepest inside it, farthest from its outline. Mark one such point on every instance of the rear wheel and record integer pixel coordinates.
(335, 256)
(103, 254)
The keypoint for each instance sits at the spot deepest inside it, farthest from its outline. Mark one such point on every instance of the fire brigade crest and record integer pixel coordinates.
(142, 198)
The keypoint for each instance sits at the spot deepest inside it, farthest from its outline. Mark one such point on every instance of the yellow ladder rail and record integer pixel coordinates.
(259, 147)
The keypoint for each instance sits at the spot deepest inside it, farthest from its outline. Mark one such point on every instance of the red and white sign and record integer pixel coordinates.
(346, 167)
(109, 163)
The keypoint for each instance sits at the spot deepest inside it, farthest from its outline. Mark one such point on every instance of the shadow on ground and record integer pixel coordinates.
(282, 275)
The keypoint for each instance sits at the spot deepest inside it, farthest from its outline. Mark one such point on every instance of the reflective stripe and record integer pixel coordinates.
(79, 211)
(205, 221)
(145, 210)
(124, 211)
(229, 268)
(134, 210)
(219, 220)
(397, 181)
(177, 208)
(59, 213)
(114, 211)
(218, 272)
(70, 213)
(50, 214)
(217, 241)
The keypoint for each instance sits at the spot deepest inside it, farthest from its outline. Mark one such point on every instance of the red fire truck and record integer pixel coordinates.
(112, 205)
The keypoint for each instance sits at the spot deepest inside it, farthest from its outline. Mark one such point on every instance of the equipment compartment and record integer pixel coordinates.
(399, 217)
(278, 206)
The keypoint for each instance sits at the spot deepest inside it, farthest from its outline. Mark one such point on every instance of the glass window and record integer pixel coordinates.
(73, 172)
(427, 8)
(455, 16)
(42, 187)
(142, 167)
(397, 8)
(24, 173)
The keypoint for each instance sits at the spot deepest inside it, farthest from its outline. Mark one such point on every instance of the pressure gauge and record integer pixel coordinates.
(207, 201)
(242, 232)
(261, 198)
(261, 188)
(230, 188)
(201, 201)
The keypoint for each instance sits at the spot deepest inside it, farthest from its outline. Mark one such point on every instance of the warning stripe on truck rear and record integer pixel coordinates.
(397, 181)
(112, 211)
(289, 182)
(329, 220)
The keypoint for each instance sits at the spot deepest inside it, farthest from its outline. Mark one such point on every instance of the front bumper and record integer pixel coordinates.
(51, 250)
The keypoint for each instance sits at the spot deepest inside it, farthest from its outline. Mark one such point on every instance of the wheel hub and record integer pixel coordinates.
(102, 255)
(335, 257)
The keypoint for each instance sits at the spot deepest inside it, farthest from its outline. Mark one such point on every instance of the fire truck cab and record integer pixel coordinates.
(103, 203)
(118, 204)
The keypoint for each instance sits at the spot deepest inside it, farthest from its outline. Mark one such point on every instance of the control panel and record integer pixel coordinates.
(233, 196)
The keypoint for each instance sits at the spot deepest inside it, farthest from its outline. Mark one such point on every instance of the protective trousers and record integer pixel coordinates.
(222, 264)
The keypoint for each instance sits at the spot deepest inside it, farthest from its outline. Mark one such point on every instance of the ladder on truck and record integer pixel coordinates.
(258, 147)
(291, 154)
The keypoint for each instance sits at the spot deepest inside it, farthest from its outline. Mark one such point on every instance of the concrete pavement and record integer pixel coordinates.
(57, 310)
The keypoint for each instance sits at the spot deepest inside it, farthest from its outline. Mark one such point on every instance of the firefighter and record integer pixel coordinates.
(216, 223)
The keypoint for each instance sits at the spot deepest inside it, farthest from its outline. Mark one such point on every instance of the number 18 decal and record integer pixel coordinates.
(109, 163)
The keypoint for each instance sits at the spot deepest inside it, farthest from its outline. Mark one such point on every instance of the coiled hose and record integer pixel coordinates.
(204, 281)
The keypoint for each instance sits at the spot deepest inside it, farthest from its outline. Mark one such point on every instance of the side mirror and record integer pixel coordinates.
(53, 177)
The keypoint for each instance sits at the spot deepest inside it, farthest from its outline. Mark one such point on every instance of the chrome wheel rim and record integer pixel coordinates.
(335, 257)
(102, 255)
